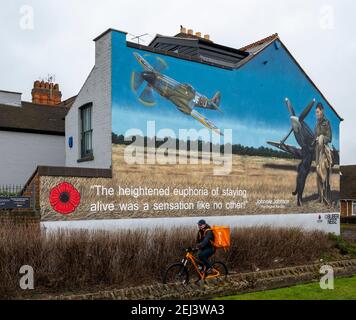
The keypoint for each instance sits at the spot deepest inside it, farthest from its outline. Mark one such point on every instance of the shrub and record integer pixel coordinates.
(82, 261)
(344, 247)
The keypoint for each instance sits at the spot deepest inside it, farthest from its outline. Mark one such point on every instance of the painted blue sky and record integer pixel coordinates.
(252, 97)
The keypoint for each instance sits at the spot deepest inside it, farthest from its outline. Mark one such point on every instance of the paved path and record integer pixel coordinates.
(235, 284)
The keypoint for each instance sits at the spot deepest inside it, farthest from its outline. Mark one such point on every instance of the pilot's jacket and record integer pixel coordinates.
(323, 136)
(323, 128)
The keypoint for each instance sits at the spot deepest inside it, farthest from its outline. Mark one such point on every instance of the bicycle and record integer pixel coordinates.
(179, 272)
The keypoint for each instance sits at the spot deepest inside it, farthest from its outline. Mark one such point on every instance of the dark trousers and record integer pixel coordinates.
(303, 172)
(204, 255)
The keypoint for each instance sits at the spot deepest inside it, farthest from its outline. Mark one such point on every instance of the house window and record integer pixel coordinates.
(354, 208)
(86, 132)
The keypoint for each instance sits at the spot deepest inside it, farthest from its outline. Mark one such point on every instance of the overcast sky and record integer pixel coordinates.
(55, 37)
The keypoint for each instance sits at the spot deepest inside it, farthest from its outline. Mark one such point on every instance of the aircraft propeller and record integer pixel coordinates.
(137, 81)
(306, 111)
(147, 95)
(290, 107)
(160, 65)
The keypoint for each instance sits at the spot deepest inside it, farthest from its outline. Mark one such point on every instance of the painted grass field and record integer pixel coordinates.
(266, 179)
(344, 289)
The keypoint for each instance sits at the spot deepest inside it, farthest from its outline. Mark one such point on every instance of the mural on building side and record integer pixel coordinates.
(284, 135)
(192, 139)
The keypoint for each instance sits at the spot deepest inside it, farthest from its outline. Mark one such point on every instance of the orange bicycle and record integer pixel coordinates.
(179, 272)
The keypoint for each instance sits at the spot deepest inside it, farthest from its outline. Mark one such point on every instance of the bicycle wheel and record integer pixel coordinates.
(176, 273)
(221, 267)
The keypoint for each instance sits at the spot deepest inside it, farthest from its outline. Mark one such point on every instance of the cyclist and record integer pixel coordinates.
(205, 240)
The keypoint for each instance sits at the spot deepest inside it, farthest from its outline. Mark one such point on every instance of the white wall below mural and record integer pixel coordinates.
(325, 222)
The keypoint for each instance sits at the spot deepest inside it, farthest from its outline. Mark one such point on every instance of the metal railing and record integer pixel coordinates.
(8, 190)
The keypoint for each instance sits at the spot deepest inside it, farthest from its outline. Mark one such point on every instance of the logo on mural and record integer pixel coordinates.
(64, 198)
(333, 218)
(320, 219)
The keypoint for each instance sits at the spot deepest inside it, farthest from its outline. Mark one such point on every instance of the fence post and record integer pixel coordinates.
(34, 197)
(11, 190)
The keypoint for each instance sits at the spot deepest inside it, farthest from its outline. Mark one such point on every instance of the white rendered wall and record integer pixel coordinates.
(325, 222)
(96, 90)
(21, 153)
(10, 98)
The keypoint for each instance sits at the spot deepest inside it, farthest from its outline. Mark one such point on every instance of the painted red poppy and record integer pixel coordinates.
(64, 198)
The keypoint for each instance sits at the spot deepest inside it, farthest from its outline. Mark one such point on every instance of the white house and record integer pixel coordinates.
(31, 133)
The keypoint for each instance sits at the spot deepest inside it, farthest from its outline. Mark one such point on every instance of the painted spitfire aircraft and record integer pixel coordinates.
(183, 96)
(302, 133)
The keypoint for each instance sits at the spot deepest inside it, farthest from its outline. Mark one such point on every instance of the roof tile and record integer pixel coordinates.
(267, 40)
(33, 118)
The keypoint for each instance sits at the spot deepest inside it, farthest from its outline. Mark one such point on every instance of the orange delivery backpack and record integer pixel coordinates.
(222, 238)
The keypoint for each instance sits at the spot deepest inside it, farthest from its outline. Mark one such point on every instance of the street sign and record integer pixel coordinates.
(15, 202)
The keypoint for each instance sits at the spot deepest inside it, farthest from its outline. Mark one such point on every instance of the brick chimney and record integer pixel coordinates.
(189, 33)
(46, 93)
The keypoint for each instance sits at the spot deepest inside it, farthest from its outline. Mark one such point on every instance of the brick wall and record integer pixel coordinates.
(343, 208)
(24, 218)
(346, 208)
(32, 190)
(45, 178)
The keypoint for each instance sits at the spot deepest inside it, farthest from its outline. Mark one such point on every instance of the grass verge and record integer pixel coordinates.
(344, 289)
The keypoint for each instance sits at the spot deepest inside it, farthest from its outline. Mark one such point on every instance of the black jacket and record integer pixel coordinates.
(205, 238)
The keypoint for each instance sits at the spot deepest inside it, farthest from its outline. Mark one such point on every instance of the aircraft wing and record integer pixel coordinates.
(296, 152)
(207, 123)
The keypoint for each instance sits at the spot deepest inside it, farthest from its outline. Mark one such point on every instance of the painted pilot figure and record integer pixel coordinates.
(323, 135)
(323, 131)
